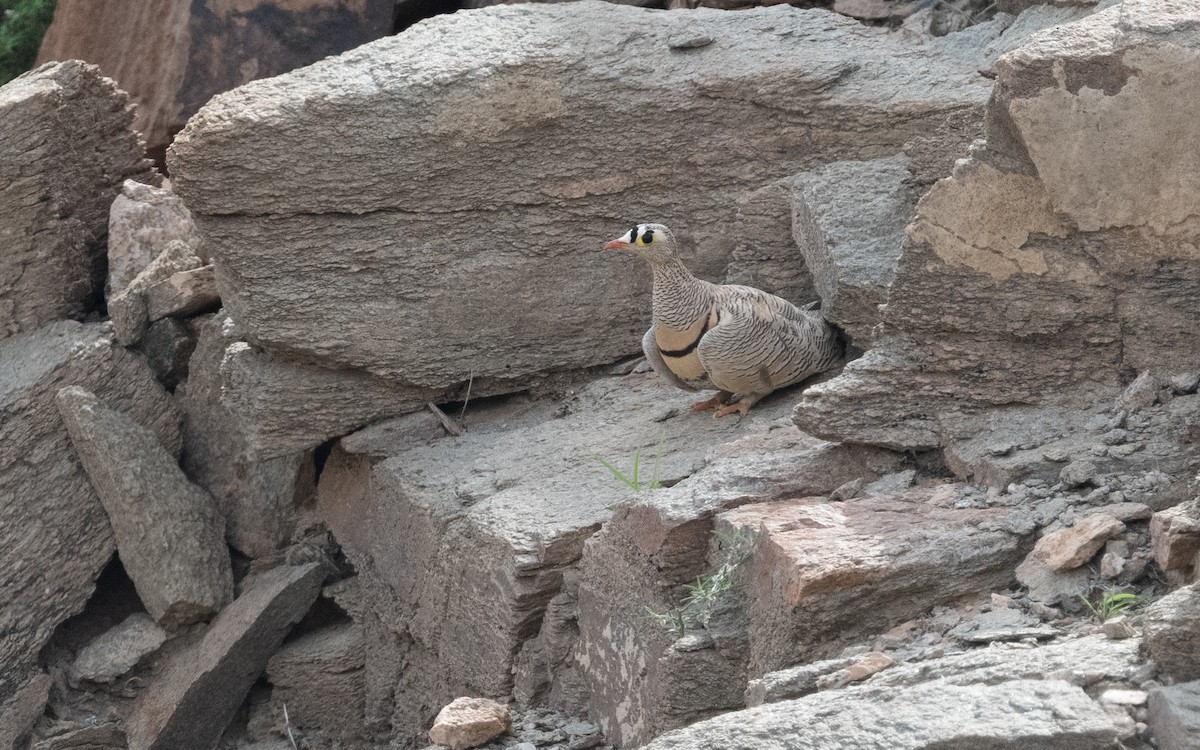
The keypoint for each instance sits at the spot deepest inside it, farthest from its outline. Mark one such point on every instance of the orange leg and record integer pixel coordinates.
(720, 399)
(741, 407)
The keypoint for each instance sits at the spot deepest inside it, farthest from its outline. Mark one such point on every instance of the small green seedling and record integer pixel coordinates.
(703, 596)
(1111, 604)
(633, 480)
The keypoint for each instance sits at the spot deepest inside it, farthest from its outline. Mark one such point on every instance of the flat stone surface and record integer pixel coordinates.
(54, 534)
(182, 294)
(1018, 715)
(168, 532)
(189, 704)
(66, 148)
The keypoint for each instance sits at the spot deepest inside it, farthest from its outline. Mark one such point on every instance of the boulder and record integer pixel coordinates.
(1017, 715)
(54, 535)
(1175, 535)
(1055, 291)
(187, 53)
(468, 722)
(168, 532)
(118, 649)
(1171, 633)
(182, 294)
(141, 221)
(188, 705)
(431, 304)
(801, 583)
(1069, 548)
(320, 677)
(1175, 716)
(65, 149)
(257, 497)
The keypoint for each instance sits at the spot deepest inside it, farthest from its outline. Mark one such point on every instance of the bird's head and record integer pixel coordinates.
(653, 242)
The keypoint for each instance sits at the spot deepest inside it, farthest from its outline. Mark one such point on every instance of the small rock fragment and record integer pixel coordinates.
(1119, 697)
(1071, 547)
(141, 221)
(128, 310)
(1077, 473)
(118, 649)
(1139, 394)
(182, 294)
(875, 661)
(469, 722)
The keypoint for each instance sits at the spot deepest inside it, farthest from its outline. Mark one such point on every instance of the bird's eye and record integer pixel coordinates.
(648, 237)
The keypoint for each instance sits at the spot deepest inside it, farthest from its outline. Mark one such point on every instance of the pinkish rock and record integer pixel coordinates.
(1175, 535)
(1067, 549)
(469, 722)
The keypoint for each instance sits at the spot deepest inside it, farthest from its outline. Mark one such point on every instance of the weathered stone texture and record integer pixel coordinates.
(141, 221)
(54, 535)
(65, 148)
(1171, 633)
(1175, 716)
(1018, 715)
(168, 532)
(190, 703)
(188, 51)
(258, 497)
(1068, 241)
(636, 680)
(801, 582)
(130, 309)
(320, 677)
(118, 649)
(405, 293)
(467, 722)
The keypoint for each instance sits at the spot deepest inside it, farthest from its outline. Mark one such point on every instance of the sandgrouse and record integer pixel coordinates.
(740, 340)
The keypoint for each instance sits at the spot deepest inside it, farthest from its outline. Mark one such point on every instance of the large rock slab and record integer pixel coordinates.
(54, 535)
(65, 149)
(168, 532)
(1053, 292)
(908, 555)
(409, 295)
(257, 497)
(190, 703)
(1018, 715)
(188, 52)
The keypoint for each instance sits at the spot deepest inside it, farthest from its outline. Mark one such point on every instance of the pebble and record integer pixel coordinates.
(1124, 697)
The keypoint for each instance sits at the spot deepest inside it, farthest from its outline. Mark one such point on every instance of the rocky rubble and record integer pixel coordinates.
(996, 518)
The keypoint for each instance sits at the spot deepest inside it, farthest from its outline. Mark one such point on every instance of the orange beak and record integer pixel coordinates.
(616, 245)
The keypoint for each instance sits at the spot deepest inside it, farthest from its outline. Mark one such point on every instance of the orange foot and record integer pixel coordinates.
(720, 399)
(741, 407)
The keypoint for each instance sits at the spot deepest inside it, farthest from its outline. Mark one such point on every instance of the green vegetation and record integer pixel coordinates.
(22, 25)
(703, 596)
(1111, 604)
(633, 479)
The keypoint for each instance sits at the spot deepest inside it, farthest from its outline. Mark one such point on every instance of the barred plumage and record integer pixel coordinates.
(740, 340)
